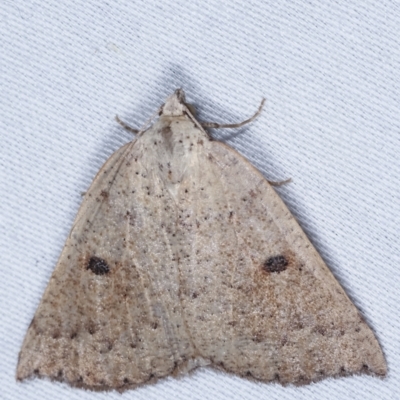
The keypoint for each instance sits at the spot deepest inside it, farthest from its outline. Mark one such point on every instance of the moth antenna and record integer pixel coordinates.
(237, 125)
(126, 126)
(147, 123)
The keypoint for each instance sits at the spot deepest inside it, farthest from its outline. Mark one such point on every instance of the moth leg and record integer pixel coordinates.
(280, 183)
(126, 126)
(239, 124)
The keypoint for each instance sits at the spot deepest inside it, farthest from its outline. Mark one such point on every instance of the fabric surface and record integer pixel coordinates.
(330, 74)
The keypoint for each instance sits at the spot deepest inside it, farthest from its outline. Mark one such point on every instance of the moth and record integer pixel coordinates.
(182, 255)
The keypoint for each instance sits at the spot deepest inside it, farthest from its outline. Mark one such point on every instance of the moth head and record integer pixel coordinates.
(176, 105)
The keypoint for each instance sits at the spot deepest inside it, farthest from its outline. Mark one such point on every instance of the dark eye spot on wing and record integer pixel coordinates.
(104, 194)
(98, 266)
(275, 264)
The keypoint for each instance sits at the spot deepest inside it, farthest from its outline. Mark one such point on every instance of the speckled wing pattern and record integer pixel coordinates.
(182, 255)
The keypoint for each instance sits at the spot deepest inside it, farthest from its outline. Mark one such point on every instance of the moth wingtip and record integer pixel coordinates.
(21, 374)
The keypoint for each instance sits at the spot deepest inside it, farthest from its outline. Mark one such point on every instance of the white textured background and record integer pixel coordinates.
(331, 74)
